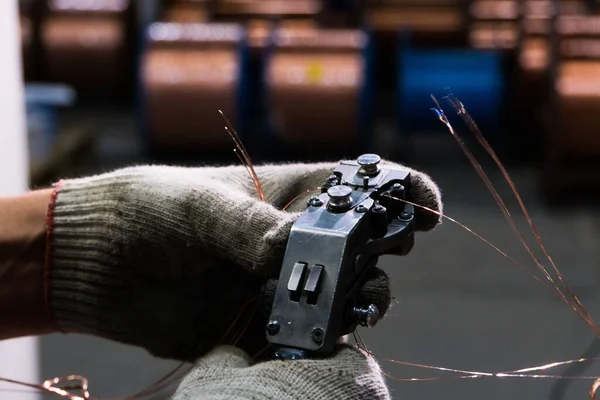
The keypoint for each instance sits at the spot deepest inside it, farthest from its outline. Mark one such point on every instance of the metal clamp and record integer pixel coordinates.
(333, 244)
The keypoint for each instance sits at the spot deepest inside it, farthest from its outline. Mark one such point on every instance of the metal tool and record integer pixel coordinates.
(331, 247)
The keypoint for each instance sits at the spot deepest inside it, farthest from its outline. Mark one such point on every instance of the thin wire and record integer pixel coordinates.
(472, 232)
(442, 117)
(466, 117)
(246, 156)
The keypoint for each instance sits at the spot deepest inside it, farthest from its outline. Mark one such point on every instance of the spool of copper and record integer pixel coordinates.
(495, 24)
(85, 43)
(189, 72)
(185, 11)
(316, 84)
(432, 19)
(246, 9)
(578, 90)
(575, 114)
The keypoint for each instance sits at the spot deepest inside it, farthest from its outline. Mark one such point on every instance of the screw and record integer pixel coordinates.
(397, 187)
(315, 202)
(332, 179)
(317, 335)
(361, 209)
(379, 209)
(273, 327)
(405, 215)
(366, 316)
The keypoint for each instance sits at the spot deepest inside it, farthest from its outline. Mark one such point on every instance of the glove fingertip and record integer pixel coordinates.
(426, 193)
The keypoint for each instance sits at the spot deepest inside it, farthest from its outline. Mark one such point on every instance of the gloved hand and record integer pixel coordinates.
(227, 373)
(166, 258)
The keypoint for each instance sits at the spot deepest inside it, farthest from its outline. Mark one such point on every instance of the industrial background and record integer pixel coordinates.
(111, 83)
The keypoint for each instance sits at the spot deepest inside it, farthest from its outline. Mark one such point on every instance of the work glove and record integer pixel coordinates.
(227, 373)
(176, 260)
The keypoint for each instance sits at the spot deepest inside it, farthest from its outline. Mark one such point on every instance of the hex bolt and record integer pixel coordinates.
(405, 215)
(366, 316)
(379, 221)
(361, 209)
(315, 202)
(273, 327)
(332, 179)
(397, 187)
(379, 209)
(317, 335)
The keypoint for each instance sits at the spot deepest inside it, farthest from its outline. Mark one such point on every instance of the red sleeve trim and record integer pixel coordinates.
(49, 248)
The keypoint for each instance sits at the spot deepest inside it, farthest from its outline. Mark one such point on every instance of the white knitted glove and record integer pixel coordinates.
(227, 373)
(166, 257)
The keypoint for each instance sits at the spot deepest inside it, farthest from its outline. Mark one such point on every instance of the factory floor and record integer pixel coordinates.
(458, 303)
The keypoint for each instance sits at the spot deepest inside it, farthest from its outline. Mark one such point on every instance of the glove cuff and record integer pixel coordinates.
(85, 285)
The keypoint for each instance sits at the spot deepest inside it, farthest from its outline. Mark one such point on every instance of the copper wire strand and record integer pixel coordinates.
(594, 389)
(466, 117)
(442, 117)
(162, 383)
(246, 156)
(246, 325)
(478, 236)
(236, 319)
(261, 351)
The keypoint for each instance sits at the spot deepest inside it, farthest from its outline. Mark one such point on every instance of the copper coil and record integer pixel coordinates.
(534, 57)
(416, 18)
(268, 8)
(495, 10)
(314, 84)
(86, 6)
(578, 111)
(86, 43)
(85, 52)
(494, 35)
(185, 13)
(260, 31)
(190, 72)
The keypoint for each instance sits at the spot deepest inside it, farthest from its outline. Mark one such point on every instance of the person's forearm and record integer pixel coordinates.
(22, 253)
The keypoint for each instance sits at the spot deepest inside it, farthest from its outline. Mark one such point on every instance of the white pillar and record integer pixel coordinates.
(18, 358)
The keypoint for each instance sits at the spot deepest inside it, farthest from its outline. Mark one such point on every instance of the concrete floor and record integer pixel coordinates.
(458, 303)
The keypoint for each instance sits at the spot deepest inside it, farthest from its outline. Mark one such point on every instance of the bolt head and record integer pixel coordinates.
(405, 215)
(317, 335)
(368, 160)
(379, 209)
(332, 178)
(273, 327)
(397, 187)
(315, 202)
(361, 209)
(372, 316)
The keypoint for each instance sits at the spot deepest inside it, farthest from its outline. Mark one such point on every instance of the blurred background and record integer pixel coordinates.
(111, 83)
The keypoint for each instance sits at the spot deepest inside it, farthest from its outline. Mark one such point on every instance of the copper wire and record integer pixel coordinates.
(245, 157)
(572, 301)
(472, 232)
(575, 302)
